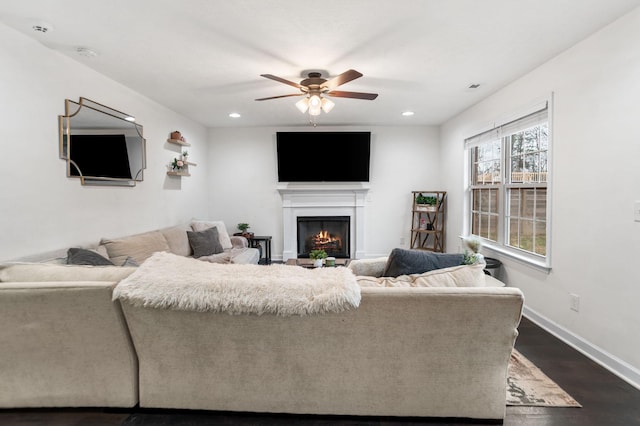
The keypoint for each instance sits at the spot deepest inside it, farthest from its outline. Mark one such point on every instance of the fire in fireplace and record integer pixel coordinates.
(329, 233)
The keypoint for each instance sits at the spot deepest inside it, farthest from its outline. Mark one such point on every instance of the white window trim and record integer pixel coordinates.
(529, 259)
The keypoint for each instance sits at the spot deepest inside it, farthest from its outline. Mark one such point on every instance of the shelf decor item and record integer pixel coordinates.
(177, 164)
(426, 203)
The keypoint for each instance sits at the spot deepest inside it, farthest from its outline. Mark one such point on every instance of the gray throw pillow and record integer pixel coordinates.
(80, 256)
(406, 262)
(204, 243)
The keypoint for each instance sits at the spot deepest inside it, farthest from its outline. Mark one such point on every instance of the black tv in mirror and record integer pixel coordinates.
(100, 156)
(323, 156)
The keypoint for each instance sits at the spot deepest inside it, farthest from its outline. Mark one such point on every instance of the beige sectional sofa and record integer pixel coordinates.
(405, 351)
(437, 352)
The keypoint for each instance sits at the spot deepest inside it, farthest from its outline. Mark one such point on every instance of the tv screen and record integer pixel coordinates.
(99, 156)
(323, 156)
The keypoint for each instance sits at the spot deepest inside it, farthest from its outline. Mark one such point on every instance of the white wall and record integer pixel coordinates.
(243, 181)
(596, 178)
(40, 208)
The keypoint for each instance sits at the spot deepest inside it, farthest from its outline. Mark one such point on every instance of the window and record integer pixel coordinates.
(509, 169)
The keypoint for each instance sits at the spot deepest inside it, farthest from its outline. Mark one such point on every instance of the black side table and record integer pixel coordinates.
(254, 242)
(493, 267)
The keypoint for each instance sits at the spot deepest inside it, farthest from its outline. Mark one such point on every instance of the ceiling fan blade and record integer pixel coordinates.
(281, 80)
(343, 78)
(281, 96)
(354, 95)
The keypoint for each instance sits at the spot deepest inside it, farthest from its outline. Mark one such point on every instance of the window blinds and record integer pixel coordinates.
(539, 115)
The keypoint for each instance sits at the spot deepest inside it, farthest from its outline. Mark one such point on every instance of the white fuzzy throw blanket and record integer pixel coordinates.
(168, 281)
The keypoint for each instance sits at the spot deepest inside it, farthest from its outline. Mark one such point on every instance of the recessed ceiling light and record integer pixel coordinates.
(408, 113)
(234, 115)
(85, 51)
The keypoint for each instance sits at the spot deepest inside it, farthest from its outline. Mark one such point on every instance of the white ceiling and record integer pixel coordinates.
(203, 58)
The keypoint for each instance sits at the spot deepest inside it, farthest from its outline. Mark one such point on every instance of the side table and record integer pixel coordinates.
(254, 242)
(493, 267)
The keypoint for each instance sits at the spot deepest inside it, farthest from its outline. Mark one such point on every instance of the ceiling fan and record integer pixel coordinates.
(314, 86)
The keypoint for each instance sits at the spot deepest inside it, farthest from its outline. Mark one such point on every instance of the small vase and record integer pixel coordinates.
(317, 263)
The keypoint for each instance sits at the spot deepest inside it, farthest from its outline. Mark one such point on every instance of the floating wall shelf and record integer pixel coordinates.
(178, 142)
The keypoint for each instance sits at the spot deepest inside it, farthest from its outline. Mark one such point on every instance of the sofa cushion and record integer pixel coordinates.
(139, 247)
(204, 243)
(176, 237)
(28, 272)
(223, 235)
(406, 262)
(370, 267)
(456, 276)
(80, 256)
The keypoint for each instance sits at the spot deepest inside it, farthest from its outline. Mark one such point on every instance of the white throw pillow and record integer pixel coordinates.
(456, 276)
(369, 267)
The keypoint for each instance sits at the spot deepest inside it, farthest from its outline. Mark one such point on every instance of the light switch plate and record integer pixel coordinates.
(636, 211)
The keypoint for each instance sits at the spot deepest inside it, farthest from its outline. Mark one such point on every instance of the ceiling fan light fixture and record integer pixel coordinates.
(315, 111)
(303, 104)
(314, 101)
(327, 105)
(315, 105)
(314, 86)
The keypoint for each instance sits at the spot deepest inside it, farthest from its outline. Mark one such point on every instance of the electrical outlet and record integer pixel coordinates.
(401, 241)
(574, 303)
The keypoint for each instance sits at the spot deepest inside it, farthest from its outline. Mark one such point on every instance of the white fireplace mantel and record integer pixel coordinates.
(325, 199)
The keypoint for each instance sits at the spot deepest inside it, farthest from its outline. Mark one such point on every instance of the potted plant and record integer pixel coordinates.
(426, 203)
(472, 251)
(318, 257)
(185, 154)
(243, 230)
(177, 164)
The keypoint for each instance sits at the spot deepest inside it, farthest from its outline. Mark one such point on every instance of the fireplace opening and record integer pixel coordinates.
(328, 233)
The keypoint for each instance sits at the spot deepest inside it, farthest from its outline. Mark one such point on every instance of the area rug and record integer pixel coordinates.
(527, 385)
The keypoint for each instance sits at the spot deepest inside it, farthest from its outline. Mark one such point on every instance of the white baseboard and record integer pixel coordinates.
(626, 372)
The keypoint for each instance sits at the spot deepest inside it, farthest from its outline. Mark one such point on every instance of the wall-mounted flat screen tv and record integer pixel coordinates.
(323, 156)
(104, 156)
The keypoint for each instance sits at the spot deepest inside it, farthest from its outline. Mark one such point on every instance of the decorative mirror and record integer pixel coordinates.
(101, 145)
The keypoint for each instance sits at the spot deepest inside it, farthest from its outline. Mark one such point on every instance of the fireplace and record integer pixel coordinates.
(328, 233)
(337, 199)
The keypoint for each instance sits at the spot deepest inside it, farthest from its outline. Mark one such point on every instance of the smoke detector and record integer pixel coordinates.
(42, 28)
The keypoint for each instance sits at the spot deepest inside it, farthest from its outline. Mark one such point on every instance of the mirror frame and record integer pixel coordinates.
(72, 109)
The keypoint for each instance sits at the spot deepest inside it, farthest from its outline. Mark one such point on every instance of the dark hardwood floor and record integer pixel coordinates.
(606, 400)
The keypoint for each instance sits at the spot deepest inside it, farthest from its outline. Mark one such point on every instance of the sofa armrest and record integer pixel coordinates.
(239, 241)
